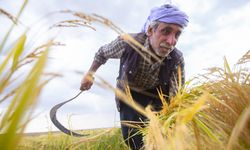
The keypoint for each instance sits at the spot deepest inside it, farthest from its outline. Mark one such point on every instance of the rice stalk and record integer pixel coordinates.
(154, 131)
(12, 26)
(23, 100)
(11, 17)
(211, 115)
(75, 145)
(14, 53)
(239, 127)
(124, 97)
(244, 59)
(87, 20)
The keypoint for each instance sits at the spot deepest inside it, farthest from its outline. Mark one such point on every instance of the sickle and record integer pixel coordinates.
(58, 124)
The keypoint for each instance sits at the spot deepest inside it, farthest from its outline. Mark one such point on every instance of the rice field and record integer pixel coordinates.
(98, 139)
(211, 111)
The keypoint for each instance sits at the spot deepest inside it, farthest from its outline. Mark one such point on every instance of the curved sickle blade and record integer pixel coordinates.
(58, 124)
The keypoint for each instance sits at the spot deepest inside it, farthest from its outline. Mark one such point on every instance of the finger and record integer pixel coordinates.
(82, 88)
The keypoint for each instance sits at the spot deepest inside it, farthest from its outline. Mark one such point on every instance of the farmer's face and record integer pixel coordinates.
(164, 38)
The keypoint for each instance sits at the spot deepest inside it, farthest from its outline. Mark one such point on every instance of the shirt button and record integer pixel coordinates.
(130, 72)
(165, 83)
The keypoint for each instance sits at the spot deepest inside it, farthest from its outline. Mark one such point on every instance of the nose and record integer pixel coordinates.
(171, 40)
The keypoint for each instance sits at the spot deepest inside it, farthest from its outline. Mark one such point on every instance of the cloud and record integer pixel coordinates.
(219, 30)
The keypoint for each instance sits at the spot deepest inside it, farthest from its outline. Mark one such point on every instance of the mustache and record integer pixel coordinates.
(167, 46)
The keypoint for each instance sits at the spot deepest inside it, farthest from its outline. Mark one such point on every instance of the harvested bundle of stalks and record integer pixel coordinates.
(213, 114)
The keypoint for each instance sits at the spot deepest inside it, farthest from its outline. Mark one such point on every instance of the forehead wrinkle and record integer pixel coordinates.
(169, 26)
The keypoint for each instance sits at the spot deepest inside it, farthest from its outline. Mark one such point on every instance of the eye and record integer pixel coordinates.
(166, 31)
(177, 35)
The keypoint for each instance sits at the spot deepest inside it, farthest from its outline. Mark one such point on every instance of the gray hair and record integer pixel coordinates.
(154, 24)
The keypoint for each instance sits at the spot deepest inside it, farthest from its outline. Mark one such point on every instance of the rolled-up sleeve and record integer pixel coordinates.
(114, 50)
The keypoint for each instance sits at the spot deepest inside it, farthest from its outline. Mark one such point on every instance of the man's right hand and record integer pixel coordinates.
(87, 82)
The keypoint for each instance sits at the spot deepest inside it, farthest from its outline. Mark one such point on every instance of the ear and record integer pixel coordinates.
(149, 31)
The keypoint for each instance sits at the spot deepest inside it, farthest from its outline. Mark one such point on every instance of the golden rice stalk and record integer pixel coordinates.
(214, 114)
(245, 58)
(155, 138)
(125, 97)
(241, 123)
(75, 145)
(11, 17)
(36, 53)
(139, 47)
(11, 28)
(73, 23)
(186, 115)
(88, 19)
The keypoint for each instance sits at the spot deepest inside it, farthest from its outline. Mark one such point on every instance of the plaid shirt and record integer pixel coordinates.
(147, 75)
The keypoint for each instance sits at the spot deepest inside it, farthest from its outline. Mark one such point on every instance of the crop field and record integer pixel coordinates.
(211, 111)
(97, 139)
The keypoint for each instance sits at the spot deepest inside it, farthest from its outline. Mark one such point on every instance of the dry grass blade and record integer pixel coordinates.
(139, 48)
(52, 76)
(228, 72)
(73, 23)
(11, 93)
(239, 127)
(122, 96)
(155, 138)
(132, 124)
(36, 53)
(90, 139)
(11, 17)
(245, 58)
(11, 28)
(162, 96)
(108, 23)
(89, 19)
(206, 114)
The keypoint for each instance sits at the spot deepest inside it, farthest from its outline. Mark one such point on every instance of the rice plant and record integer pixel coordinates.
(108, 141)
(210, 111)
(214, 113)
(20, 92)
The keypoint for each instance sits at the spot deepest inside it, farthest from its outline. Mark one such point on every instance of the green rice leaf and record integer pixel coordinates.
(14, 53)
(26, 97)
(18, 51)
(202, 126)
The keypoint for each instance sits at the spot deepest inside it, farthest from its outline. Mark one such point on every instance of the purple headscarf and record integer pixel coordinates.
(168, 14)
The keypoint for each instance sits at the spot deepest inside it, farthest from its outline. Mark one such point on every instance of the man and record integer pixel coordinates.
(159, 36)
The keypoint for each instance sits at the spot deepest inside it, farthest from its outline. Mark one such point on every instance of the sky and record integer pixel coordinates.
(216, 29)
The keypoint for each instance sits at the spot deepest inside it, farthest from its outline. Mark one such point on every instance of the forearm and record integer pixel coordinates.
(94, 67)
(88, 78)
